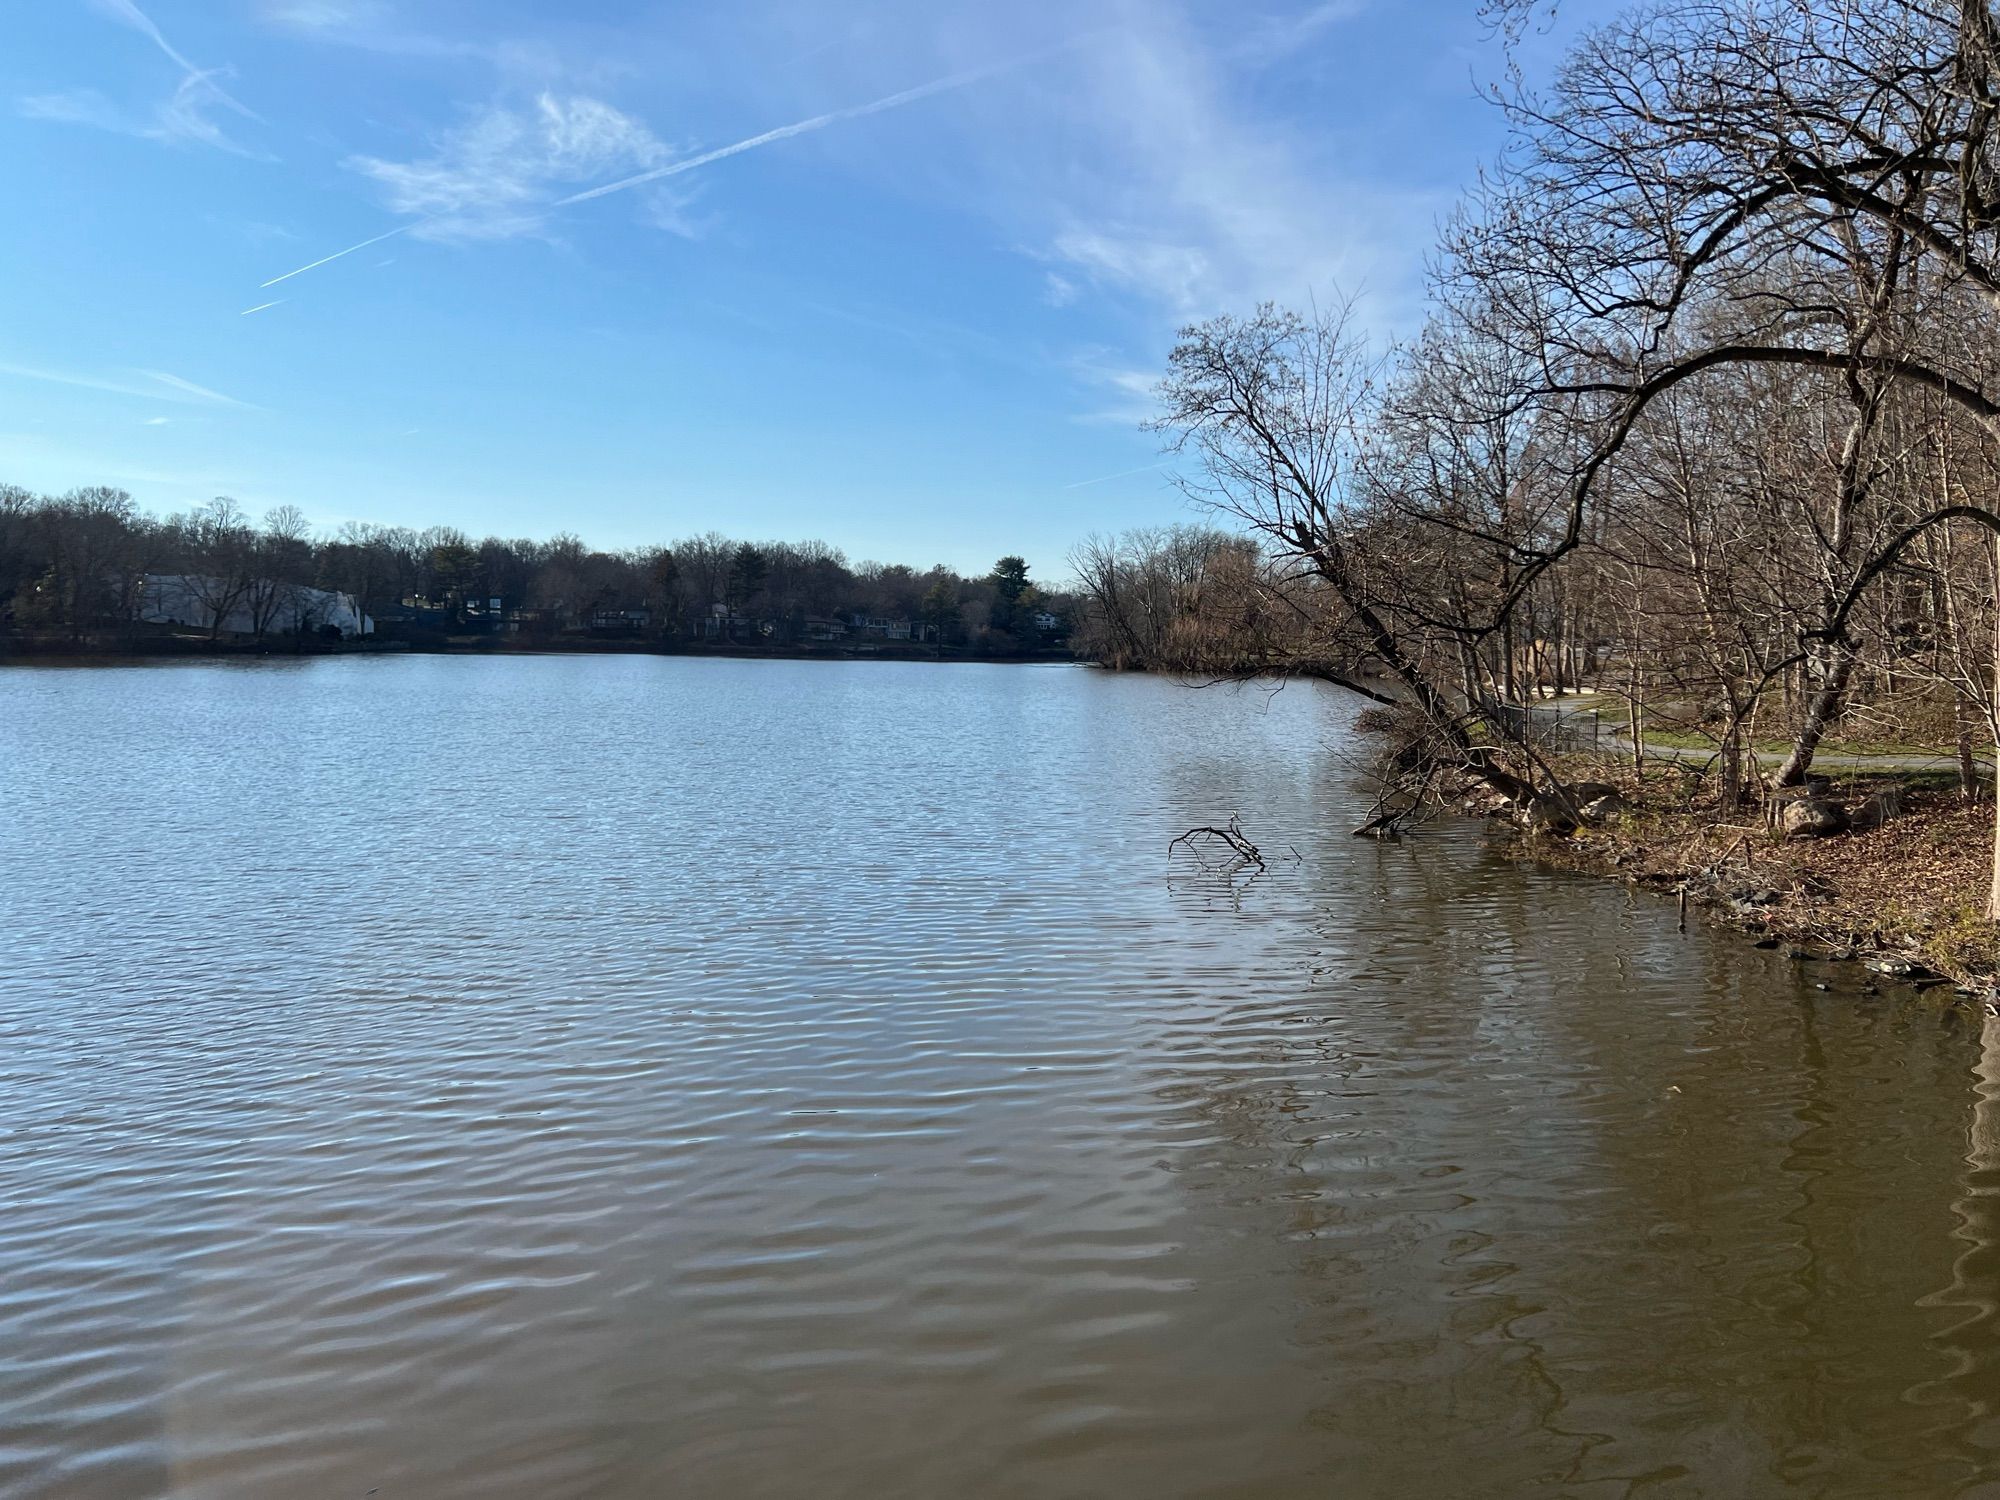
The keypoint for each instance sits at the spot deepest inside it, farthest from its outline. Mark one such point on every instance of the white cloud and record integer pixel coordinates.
(323, 15)
(183, 117)
(496, 176)
(1122, 395)
(670, 206)
(1169, 161)
(189, 388)
(1197, 198)
(378, 26)
(1130, 258)
(75, 107)
(157, 385)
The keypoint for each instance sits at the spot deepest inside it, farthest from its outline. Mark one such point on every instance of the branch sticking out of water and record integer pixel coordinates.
(1200, 841)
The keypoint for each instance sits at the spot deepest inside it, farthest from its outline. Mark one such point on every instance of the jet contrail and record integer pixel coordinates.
(782, 133)
(399, 229)
(258, 308)
(786, 132)
(1121, 475)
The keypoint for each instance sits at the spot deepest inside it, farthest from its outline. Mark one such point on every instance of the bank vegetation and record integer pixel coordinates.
(1705, 420)
(92, 568)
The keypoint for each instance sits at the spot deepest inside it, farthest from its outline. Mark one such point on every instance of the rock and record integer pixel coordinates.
(1545, 815)
(1812, 817)
(1605, 808)
(1880, 808)
(1768, 942)
(1591, 791)
(1895, 968)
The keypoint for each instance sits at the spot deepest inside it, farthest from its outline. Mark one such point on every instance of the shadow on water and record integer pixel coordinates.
(1569, 1200)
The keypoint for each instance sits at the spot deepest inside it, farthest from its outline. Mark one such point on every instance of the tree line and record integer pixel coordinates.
(79, 564)
(1705, 412)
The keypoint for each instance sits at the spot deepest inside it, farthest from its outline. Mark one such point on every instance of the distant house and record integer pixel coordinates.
(824, 628)
(882, 626)
(726, 624)
(1046, 621)
(627, 620)
(288, 608)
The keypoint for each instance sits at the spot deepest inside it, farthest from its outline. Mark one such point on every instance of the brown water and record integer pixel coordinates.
(647, 1077)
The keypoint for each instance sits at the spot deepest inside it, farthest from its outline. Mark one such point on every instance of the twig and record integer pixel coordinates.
(1244, 852)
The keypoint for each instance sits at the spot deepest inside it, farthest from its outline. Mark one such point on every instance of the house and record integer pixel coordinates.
(824, 628)
(623, 621)
(726, 624)
(284, 608)
(882, 626)
(1045, 622)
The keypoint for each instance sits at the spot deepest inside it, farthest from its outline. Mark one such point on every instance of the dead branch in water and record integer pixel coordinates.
(1242, 852)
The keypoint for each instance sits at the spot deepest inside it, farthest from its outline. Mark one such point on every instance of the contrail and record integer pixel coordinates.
(199, 392)
(801, 127)
(782, 133)
(1107, 478)
(258, 308)
(399, 229)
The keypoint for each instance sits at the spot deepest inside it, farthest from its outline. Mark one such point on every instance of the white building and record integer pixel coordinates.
(287, 608)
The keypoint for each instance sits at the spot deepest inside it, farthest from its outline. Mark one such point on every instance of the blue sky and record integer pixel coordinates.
(920, 326)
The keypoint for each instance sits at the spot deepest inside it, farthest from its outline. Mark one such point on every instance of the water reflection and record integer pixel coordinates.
(823, 1084)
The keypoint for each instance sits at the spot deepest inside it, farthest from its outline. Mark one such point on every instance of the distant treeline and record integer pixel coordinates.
(92, 562)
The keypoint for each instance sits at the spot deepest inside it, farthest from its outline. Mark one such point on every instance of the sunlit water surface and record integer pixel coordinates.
(438, 1077)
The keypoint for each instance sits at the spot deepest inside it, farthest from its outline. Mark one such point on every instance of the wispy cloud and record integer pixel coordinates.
(484, 183)
(1126, 396)
(498, 176)
(184, 116)
(376, 26)
(1166, 172)
(322, 15)
(189, 388)
(493, 177)
(155, 385)
(130, 14)
(799, 127)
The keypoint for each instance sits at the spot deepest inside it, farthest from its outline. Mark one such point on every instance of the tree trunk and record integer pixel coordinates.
(1820, 711)
(1968, 768)
(1993, 893)
(1732, 764)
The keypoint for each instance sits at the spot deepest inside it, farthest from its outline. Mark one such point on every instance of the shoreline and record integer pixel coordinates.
(109, 651)
(1901, 898)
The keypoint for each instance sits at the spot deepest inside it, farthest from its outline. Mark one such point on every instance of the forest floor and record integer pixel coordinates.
(1907, 898)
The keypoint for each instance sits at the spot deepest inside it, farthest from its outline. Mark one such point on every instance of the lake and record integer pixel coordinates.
(641, 1076)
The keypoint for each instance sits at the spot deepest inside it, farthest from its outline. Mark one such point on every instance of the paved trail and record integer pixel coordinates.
(1577, 715)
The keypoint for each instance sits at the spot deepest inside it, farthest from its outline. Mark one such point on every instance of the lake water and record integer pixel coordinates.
(631, 1076)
